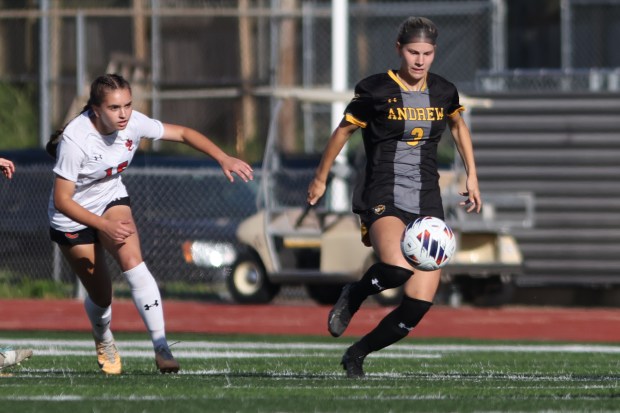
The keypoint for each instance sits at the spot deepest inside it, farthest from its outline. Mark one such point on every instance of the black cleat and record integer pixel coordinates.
(353, 365)
(340, 315)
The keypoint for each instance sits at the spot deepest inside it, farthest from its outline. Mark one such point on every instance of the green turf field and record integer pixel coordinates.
(273, 374)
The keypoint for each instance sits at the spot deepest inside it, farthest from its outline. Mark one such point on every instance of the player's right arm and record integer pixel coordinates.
(195, 139)
(336, 142)
(63, 202)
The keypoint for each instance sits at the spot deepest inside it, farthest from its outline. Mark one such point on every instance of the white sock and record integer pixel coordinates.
(146, 297)
(100, 319)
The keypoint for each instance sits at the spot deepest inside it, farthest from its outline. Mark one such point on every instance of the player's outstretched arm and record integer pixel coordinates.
(229, 164)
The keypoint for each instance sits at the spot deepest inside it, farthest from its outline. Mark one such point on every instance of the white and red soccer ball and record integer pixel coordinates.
(428, 243)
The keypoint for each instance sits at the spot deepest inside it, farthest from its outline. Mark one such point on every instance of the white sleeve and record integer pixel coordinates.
(148, 128)
(69, 159)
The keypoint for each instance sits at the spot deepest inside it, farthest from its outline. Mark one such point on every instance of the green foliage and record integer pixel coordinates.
(181, 290)
(11, 287)
(267, 374)
(18, 117)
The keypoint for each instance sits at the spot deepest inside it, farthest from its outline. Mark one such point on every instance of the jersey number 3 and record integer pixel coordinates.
(418, 134)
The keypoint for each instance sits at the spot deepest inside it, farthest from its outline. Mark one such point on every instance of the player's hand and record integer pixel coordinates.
(7, 168)
(232, 165)
(473, 201)
(316, 189)
(118, 231)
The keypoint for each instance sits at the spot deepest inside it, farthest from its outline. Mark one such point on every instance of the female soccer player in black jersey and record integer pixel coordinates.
(403, 114)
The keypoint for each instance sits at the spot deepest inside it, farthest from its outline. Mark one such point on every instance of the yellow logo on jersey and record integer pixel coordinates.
(415, 114)
(379, 209)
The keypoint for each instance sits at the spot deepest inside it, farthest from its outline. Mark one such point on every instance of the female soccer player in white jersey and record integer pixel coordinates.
(402, 114)
(90, 210)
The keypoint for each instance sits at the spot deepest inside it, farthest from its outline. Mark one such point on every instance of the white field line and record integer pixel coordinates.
(210, 354)
(69, 397)
(398, 350)
(565, 382)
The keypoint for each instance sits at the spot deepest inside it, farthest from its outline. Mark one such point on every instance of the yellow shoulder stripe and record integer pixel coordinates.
(459, 110)
(352, 119)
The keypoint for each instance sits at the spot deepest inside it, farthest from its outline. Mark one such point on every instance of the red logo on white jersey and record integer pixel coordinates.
(129, 144)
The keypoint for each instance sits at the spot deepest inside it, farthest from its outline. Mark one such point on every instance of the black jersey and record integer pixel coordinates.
(401, 130)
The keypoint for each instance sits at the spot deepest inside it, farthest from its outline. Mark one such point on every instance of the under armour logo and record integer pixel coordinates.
(402, 325)
(375, 283)
(147, 307)
(129, 144)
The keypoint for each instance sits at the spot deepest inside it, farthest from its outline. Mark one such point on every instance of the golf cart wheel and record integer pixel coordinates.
(248, 282)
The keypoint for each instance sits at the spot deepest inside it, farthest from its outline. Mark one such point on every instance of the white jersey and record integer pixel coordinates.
(94, 162)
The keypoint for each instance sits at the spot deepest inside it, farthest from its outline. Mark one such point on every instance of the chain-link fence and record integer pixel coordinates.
(187, 214)
(204, 63)
(589, 62)
(214, 66)
(189, 58)
(173, 205)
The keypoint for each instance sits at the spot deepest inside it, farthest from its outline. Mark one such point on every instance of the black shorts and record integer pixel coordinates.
(370, 216)
(87, 235)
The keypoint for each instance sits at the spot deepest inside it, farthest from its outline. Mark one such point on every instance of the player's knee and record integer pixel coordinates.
(383, 276)
(410, 312)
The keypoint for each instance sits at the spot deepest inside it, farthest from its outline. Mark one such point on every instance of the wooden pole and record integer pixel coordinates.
(287, 71)
(246, 123)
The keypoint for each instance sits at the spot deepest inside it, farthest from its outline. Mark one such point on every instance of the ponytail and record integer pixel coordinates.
(55, 138)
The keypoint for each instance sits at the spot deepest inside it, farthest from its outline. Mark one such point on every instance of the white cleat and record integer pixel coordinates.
(10, 357)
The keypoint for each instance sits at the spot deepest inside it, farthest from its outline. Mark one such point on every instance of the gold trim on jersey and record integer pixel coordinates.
(352, 119)
(403, 86)
(459, 110)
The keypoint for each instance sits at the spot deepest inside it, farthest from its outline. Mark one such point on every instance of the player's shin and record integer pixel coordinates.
(147, 298)
(395, 326)
(100, 319)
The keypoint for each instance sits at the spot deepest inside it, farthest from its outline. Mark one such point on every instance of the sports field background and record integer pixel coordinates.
(280, 358)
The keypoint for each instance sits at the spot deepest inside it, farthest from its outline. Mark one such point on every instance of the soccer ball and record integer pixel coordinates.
(428, 243)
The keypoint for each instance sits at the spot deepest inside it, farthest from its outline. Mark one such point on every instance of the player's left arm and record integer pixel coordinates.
(462, 139)
(198, 141)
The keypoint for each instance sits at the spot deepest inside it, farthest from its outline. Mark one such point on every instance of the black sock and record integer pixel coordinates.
(378, 277)
(395, 326)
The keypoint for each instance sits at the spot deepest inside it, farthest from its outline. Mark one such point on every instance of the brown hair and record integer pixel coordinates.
(98, 90)
(417, 30)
